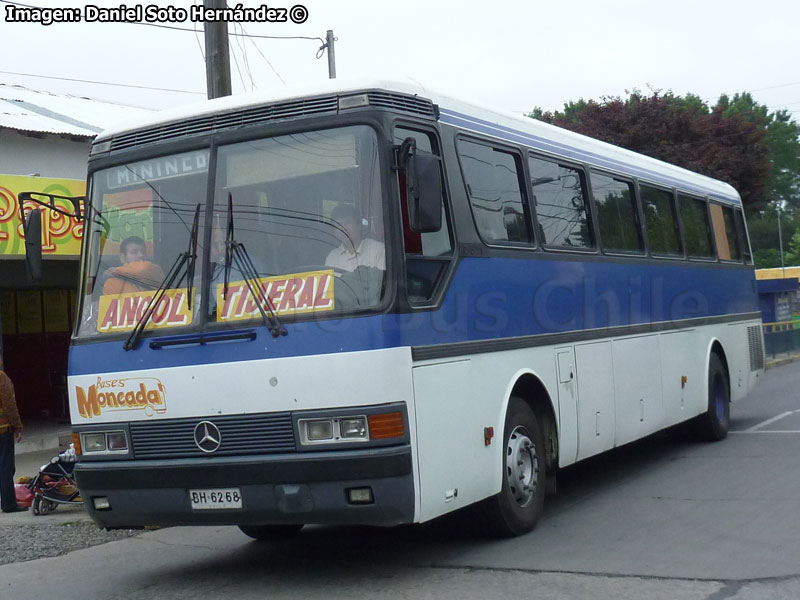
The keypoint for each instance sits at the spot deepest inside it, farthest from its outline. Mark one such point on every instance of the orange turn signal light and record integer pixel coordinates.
(386, 425)
(76, 440)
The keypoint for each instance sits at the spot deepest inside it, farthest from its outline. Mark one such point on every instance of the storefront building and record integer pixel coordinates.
(44, 147)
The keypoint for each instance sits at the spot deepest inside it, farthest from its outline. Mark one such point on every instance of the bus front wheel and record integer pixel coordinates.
(713, 424)
(518, 506)
(266, 533)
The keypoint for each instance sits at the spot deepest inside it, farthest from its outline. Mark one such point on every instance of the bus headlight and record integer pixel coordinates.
(349, 427)
(104, 442)
(333, 430)
(94, 442)
(319, 430)
(116, 440)
(353, 428)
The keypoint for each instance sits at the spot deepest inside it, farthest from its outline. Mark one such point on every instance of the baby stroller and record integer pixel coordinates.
(54, 484)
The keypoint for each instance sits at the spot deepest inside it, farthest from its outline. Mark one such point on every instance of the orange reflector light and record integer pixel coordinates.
(387, 425)
(76, 439)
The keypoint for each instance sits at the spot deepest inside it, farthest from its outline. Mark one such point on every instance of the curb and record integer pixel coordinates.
(778, 362)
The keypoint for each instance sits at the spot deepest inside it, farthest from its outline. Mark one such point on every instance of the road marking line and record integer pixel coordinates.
(770, 421)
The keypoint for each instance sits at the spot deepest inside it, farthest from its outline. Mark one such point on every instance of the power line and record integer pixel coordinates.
(274, 70)
(197, 37)
(773, 87)
(124, 85)
(247, 35)
(245, 58)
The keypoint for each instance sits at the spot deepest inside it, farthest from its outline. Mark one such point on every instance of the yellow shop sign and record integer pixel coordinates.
(61, 235)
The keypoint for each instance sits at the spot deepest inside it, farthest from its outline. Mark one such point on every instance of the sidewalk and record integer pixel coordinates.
(41, 440)
(43, 435)
(783, 358)
(28, 465)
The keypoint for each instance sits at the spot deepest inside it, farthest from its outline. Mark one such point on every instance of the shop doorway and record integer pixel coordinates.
(36, 326)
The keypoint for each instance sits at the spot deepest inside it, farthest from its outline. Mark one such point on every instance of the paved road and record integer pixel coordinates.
(662, 518)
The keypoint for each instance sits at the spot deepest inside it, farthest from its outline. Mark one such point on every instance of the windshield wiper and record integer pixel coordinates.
(184, 258)
(236, 252)
(192, 257)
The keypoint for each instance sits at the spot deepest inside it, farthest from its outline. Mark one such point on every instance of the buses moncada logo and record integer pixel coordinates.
(146, 394)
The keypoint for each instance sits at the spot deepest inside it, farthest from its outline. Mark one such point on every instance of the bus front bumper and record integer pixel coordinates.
(298, 488)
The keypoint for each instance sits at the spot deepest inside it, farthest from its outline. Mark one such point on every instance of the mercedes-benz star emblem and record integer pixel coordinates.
(207, 436)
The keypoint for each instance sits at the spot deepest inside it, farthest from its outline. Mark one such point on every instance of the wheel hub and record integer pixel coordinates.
(522, 466)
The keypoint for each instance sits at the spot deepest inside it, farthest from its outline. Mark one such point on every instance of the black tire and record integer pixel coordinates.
(516, 509)
(266, 533)
(713, 425)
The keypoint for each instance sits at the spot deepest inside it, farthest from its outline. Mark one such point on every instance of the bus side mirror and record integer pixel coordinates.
(423, 187)
(50, 201)
(32, 224)
(33, 244)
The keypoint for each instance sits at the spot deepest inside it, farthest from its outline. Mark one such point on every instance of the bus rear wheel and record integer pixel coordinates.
(713, 424)
(266, 533)
(518, 506)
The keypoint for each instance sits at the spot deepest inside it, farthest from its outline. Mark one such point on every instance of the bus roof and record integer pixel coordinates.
(496, 123)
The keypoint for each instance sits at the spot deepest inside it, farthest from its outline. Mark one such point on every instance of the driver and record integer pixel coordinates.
(135, 273)
(354, 250)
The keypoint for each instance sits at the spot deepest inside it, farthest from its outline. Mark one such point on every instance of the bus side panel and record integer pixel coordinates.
(596, 421)
(682, 356)
(737, 354)
(452, 459)
(638, 404)
(455, 400)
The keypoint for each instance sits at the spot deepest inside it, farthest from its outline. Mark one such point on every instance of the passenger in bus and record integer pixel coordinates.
(135, 273)
(354, 250)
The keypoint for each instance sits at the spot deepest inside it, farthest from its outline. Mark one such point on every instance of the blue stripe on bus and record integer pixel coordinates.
(541, 143)
(488, 299)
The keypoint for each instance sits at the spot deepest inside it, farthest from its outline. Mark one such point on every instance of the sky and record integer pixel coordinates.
(513, 55)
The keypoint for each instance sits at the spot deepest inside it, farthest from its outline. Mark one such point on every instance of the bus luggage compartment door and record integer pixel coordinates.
(450, 417)
(596, 412)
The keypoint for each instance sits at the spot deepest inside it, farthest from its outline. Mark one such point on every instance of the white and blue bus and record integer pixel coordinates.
(373, 304)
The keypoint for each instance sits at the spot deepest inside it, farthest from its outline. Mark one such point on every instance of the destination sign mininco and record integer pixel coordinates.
(158, 168)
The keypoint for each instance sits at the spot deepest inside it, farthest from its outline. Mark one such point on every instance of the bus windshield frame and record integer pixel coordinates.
(309, 209)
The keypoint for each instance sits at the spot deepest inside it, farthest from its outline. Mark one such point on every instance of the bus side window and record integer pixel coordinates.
(561, 205)
(427, 254)
(617, 216)
(696, 227)
(495, 188)
(661, 219)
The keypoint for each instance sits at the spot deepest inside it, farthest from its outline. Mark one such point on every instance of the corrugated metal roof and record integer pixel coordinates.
(25, 109)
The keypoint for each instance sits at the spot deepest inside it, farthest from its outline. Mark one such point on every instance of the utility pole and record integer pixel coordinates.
(218, 61)
(780, 233)
(331, 55)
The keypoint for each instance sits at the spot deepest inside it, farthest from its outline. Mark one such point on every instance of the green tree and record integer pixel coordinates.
(792, 257)
(767, 258)
(783, 184)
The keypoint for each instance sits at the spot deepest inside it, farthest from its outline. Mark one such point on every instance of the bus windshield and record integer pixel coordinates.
(307, 210)
(297, 219)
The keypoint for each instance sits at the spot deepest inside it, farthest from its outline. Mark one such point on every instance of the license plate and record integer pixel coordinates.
(215, 499)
